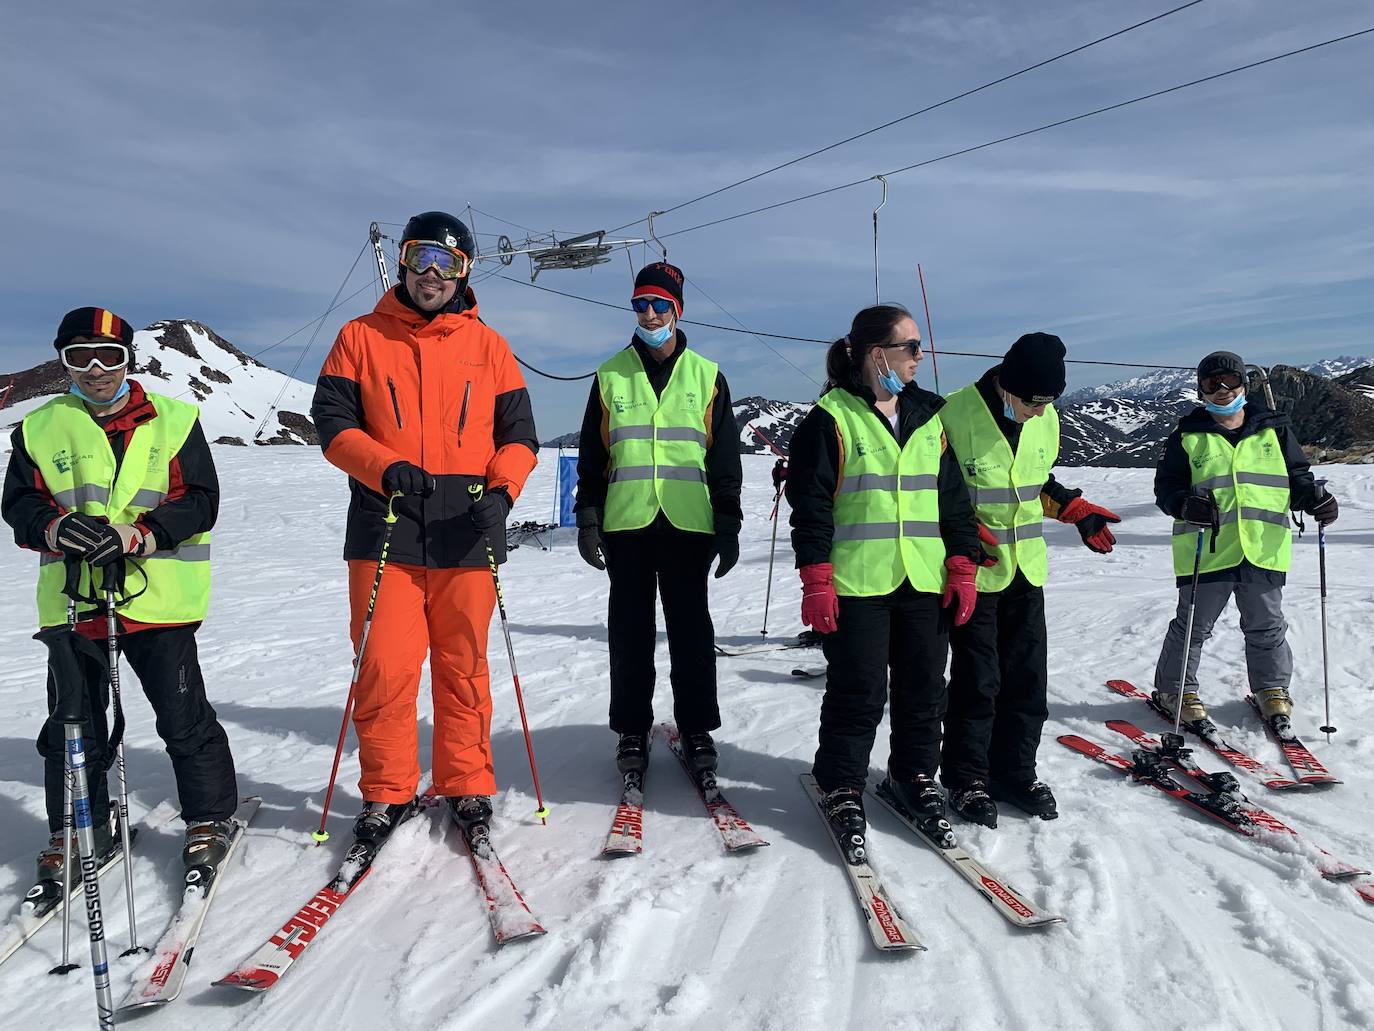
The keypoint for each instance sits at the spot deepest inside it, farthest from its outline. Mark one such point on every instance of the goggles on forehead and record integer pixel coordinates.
(110, 357)
(661, 306)
(1229, 380)
(421, 255)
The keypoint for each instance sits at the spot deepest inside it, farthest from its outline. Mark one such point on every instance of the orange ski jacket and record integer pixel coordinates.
(445, 394)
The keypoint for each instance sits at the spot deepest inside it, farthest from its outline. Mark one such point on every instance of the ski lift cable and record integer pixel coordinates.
(697, 286)
(914, 114)
(319, 324)
(813, 340)
(1030, 132)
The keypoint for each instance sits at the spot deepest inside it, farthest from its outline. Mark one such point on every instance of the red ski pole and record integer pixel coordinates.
(543, 811)
(930, 330)
(322, 835)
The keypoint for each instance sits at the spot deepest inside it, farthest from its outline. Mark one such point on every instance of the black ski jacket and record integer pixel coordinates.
(1173, 477)
(814, 473)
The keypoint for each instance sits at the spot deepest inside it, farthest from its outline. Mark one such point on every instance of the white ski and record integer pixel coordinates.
(160, 979)
(1005, 899)
(886, 925)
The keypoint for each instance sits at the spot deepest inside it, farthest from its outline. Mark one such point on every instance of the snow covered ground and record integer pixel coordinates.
(1172, 921)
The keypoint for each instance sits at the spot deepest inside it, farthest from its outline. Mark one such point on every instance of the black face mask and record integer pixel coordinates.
(459, 303)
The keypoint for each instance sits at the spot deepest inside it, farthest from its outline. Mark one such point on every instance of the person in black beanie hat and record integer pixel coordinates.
(658, 500)
(1233, 467)
(1005, 433)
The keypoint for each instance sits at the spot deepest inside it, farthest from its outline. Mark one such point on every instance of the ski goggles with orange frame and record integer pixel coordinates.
(422, 255)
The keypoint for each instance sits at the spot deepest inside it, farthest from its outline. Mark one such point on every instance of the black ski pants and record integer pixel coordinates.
(674, 564)
(901, 639)
(165, 661)
(997, 686)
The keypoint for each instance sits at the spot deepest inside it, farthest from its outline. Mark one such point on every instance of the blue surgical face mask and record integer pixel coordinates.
(1237, 403)
(655, 337)
(1008, 411)
(123, 389)
(888, 379)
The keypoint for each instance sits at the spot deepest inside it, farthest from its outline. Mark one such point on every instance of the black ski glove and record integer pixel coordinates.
(1326, 510)
(1199, 510)
(727, 549)
(408, 479)
(87, 538)
(590, 544)
(491, 509)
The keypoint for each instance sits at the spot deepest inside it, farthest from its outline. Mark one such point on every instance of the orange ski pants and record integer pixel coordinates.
(445, 612)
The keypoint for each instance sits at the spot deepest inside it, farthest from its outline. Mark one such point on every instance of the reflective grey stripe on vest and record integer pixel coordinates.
(681, 472)
(682, 433)
(1263, 479)
(1003, 495)
(147, 498)
(868, 481)
(1226, 519)
(885, 531)
(632, 472)
(1022, 533)
(1214, 483)
(922, 481)
(1263, 515)
(920, 528)
(643, 431)
(181, 553)
(82, 493)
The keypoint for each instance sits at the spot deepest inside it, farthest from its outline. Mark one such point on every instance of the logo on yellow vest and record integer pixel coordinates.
(62, 461)
(621, 405)
(863, 447)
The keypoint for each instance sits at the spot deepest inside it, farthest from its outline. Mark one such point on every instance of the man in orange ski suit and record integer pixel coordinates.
(422, 397)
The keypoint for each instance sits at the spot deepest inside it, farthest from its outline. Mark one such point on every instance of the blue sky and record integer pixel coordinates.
(222, 163)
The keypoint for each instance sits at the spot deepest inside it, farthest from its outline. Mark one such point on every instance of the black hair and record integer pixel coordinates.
(871, 327)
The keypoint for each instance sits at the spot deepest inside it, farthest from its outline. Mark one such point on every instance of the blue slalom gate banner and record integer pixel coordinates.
(567, 489)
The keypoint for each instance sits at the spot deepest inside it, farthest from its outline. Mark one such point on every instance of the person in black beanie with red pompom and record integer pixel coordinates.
(658, 501)
(1005, 433)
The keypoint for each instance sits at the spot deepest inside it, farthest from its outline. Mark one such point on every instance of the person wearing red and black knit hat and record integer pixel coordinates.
(73, 460)
(658, 500)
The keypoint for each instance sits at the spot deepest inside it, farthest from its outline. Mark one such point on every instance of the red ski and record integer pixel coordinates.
(1306, 765)
(1211, 737)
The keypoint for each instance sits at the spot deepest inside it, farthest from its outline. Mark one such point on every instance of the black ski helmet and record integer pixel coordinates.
(441, 227)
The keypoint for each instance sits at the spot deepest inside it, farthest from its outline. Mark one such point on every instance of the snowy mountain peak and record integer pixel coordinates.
(187, 360)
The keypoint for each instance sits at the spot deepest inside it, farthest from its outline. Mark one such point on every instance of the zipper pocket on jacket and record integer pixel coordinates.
(463, 412)
(395, 405)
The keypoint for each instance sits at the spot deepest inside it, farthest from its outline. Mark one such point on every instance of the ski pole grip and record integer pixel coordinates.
(390, 516)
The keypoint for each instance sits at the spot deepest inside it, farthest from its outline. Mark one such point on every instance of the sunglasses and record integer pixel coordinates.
(80, 357)
(658, 304)
(913, 347)
(422, 255)
(1229, 380)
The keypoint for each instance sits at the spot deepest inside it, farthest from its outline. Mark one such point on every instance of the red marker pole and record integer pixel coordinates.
(930, 330)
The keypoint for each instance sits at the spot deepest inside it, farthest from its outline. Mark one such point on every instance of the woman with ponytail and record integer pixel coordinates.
(887, 548)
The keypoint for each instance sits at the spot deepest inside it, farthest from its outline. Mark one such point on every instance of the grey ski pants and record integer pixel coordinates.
(1268, 659)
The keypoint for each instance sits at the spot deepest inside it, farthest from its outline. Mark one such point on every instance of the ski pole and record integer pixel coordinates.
(112, 642)
(1188, 632)
(321, 836)
(68, 836)
(1328, 730)
(772, 549)
(68, 711)
(543, 811)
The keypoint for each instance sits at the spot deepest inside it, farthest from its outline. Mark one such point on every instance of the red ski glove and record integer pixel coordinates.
(987, 540)
(960, 588)
(820, 607)
(1091, 521)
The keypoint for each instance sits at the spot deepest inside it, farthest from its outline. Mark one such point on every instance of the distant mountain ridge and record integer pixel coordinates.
(185, 359)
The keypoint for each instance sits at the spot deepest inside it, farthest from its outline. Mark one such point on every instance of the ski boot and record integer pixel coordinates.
(632, 754)
(1277, 709)
(1032, 797)
(472, 813)
(47, 889)
(973, 803)
(701, 753)
(207, 843)
(1194, 712)
(844, 812)
(924, 804)
(378, 819)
